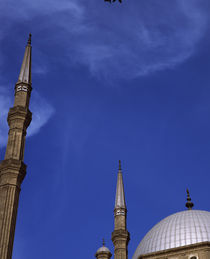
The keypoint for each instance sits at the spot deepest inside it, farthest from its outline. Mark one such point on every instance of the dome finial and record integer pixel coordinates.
(189, 204)
(120, 168)
(103, 242)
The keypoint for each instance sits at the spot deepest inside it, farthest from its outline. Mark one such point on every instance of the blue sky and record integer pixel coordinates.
(115, 81)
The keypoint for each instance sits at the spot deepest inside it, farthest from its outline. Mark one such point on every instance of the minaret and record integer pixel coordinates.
(120, 235)
(12, 168)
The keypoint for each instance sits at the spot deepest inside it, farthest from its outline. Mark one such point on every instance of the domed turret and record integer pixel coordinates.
(103, 252)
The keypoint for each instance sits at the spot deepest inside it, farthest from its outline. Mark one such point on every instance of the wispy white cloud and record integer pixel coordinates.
(40, 69)
(118, 41)
(42, 112)
(141, 38)
(5, 103)
(147, 41)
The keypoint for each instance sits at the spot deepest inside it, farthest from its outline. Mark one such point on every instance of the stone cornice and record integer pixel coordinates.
(103, 253)
(120, 234)
(12, 172)
(19, 112)
(174, 251)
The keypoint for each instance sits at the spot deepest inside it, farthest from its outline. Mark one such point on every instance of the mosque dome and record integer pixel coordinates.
(177, 230)
(103, 249)
(103, 252)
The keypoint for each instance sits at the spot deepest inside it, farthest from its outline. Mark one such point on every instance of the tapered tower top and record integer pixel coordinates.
(120, 195)
(25, 71)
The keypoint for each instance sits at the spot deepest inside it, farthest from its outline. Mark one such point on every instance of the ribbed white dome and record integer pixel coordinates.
(180, 229)
(103, 249)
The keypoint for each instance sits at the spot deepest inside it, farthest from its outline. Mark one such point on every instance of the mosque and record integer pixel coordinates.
(183, 235)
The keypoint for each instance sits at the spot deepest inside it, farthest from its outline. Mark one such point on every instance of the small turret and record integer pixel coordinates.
(103, 252)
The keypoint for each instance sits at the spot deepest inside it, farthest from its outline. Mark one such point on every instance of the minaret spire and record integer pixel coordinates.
(12, 168)
(120, 195)
(29, 39)
(120, 167)
(120, 235)
(25, 71)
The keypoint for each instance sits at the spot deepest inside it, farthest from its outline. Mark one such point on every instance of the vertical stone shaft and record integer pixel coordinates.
(12, 168)
(12, 173)
(120, 235)
(10, 204)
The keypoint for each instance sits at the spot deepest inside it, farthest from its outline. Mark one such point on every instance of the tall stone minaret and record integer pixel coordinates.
(120, 235)
(12, 168)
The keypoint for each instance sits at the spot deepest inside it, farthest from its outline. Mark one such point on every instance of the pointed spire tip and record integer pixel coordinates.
(120, 195)
(103, 242)
(120, 168)
(25, 71)
(29, 39)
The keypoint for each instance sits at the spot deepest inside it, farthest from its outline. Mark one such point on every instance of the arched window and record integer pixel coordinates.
(193, 257)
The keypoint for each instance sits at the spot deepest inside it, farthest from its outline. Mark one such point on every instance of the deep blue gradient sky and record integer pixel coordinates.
(126, 81)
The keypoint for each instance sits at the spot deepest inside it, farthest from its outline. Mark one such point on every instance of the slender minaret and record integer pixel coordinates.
(120, 235)
(12, 168)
